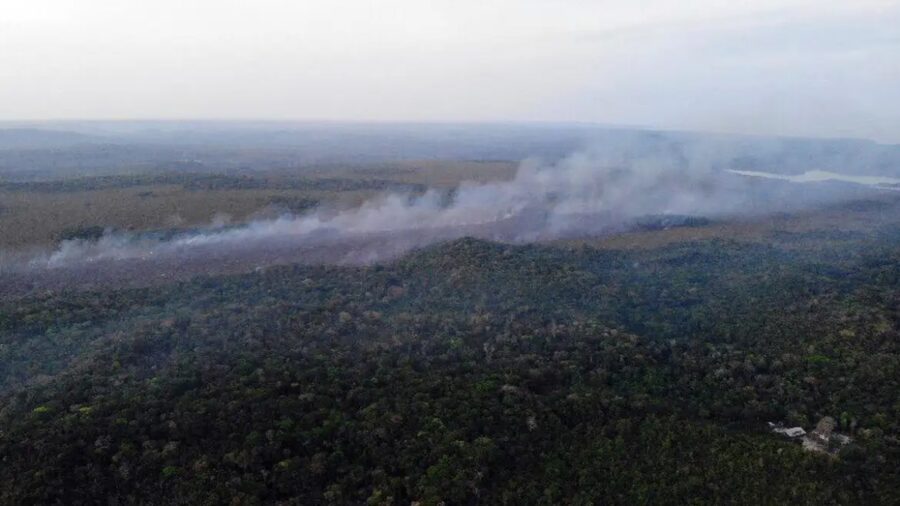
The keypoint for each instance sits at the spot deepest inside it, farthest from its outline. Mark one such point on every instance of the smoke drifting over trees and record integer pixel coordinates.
(594, 191)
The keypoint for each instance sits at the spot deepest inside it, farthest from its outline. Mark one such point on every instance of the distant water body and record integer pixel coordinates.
(817, 176)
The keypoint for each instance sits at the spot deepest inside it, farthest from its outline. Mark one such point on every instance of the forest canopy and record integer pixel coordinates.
(468, 372)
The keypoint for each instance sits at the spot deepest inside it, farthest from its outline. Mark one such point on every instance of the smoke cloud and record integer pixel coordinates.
(593, 192)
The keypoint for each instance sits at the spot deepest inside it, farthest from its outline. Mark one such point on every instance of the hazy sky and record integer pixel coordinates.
(823, 67)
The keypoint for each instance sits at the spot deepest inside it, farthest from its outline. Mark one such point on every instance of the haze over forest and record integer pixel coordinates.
(440, 253)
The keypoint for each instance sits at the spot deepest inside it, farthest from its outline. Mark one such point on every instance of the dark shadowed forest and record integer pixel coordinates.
(453, 252)
(640, 363)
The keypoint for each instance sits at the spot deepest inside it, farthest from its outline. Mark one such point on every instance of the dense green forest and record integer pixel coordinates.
(468, 373)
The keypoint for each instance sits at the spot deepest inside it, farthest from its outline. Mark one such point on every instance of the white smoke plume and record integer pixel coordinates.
(592, 192)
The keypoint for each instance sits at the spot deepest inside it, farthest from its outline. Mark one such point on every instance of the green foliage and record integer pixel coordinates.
(468, 373)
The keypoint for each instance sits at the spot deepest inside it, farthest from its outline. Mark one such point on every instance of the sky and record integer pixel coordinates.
(824, 68)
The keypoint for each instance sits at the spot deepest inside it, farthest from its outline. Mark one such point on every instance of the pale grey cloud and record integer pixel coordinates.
(785, 67)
